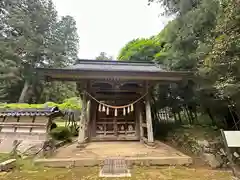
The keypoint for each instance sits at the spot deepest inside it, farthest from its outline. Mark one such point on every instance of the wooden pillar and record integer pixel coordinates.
(88, 119)
(149, 118)
(94, 113)
(140, 120)
(141, 123)
(136, 117)
(82, 124)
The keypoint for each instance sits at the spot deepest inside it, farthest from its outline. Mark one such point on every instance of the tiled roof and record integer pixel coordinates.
(29, 112)
(95, 65)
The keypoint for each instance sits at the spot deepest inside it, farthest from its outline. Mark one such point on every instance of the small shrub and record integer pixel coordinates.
(73, 130)
(60, 133)
(53, 126)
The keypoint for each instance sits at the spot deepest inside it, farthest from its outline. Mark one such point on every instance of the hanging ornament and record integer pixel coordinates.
(107, 111)
(99, 108)
(115, 112)
(128, 109)
(103, 108)
(131, 107)
(124, 111)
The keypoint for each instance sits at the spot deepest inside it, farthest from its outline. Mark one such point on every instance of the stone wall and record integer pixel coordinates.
(33, 141)
(211, 150)
(23, 136)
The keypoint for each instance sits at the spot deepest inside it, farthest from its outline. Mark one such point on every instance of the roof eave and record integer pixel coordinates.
(67, 74)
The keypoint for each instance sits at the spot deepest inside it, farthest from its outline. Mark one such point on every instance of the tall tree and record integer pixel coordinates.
(34, 38)
(140, 50)
(104, 56)
(205, 34)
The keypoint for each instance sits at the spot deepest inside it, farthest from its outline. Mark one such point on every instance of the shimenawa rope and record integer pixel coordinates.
(116, 107)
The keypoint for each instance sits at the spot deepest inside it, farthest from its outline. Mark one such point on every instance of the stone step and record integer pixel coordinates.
(115, 167)
(88, 162)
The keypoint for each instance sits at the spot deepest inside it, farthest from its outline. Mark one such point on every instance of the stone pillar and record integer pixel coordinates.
(82, 125)
(149, 119)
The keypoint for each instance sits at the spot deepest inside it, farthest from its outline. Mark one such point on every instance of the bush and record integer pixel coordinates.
(71, 103)
(60, 133)
(53, 126)
(74, 130)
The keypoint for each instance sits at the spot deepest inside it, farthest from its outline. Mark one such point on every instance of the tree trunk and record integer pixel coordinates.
(211, 116)
(179, 117)
(196, 117)
(175, 117)
(191, 115)
(188, 115)
(24, 92)
(185, 114)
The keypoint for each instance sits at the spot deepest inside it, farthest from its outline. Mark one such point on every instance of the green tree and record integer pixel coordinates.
(31, 36)
(204, 37)
(140, 50)
(104, 56)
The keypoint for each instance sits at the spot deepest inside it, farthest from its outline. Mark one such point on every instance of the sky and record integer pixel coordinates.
(107, 25)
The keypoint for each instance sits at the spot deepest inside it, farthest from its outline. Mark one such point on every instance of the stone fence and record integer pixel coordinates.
(212, 152)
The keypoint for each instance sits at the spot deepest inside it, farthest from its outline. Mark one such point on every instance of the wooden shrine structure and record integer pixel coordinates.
(27, 126)
(115, 97)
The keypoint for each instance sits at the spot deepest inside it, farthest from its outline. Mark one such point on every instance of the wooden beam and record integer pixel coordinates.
(114, 83)
(99, 90)
(116, 97)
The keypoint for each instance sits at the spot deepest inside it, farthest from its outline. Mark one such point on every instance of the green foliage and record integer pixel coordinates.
(188, 136)
(177, 7)
(72, 103)
(60, 133)
(32, 35)
(73, 130)
(187, 37)
(139, 50)
(23, 106)
(4, 157)
(204, 38)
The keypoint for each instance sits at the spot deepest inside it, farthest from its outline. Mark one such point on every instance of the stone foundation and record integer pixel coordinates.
(135, 153)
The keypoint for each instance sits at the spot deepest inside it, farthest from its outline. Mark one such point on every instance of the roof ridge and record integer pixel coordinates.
(115, 62)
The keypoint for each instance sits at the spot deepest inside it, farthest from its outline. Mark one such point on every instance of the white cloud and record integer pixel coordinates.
(107, 25)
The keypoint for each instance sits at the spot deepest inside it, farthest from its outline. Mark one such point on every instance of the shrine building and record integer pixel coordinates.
(116, 97)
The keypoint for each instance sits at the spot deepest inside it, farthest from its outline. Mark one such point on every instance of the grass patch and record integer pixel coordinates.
(4, 157)
(60, 123)
(27, 171)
